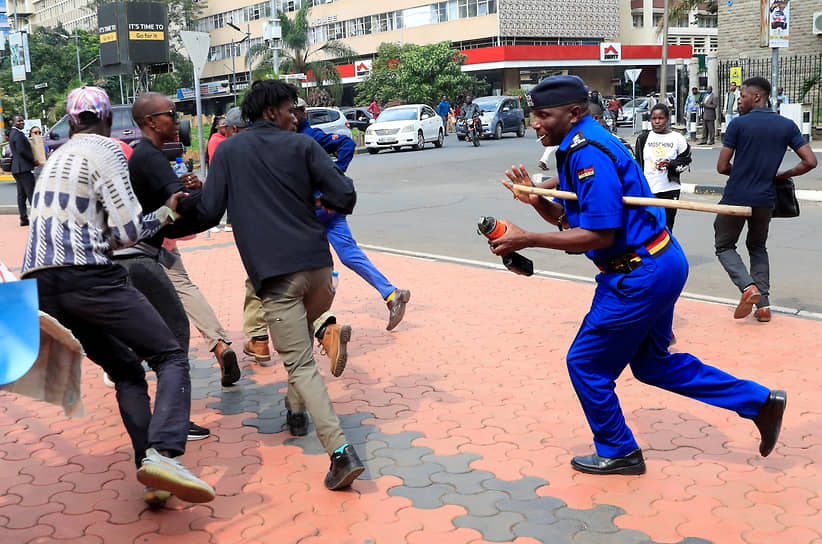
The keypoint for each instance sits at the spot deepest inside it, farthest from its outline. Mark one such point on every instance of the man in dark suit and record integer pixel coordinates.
(22, 164)
(709, 104)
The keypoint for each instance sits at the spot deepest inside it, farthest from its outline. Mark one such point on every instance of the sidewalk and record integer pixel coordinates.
(464, 415)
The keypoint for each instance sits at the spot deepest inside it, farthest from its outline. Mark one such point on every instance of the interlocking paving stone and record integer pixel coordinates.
(524, 488)
(465, 482)
(416, 476)
(561, 531)
(540, 511)
(405, 457)
(455, 464)
(478, 504)
(423, 497)
(496, 528)
(398, 441)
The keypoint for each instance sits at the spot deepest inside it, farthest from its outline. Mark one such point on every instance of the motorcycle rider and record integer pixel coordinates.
(470, 110)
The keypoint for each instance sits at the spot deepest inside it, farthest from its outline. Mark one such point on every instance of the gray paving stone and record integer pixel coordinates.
(428, 498)
(358, 435)
(398, 441)
(367, 451)
(561, 532)
(464, 482)
(352, 421)
(540, 510)
(599, 519)
(478, 504)
(495, 528)
(378, 464)
(623, 536)
(309, 443)
(416, 476)
(523, 489)
(454, 464)
(694, 540)
(404, 457)
(266, 426)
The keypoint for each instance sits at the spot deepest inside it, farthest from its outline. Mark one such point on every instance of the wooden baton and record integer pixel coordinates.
(724, 209)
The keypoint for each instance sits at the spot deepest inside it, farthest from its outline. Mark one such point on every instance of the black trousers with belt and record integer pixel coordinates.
(119, 328)
(25, 191)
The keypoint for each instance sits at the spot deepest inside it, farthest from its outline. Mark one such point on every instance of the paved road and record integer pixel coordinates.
(429, 202)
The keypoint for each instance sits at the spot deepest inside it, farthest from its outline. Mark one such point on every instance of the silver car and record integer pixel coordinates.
(329, 120)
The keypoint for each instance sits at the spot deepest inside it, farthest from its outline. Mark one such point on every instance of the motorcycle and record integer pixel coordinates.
(472, 126)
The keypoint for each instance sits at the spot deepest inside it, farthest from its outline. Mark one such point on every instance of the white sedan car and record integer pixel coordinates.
(412, 124)
(329, 120)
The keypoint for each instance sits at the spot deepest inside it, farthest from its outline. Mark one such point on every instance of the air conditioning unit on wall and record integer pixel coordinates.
(816, 24)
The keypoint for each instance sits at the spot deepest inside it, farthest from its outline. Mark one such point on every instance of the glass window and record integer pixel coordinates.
(122, 119)
(638, 20)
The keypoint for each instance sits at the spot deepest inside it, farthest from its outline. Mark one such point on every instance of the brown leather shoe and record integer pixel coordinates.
(258, 349)
(334, 343)
(763, 314)
(396, 307)
(750, 296)
(228, 363)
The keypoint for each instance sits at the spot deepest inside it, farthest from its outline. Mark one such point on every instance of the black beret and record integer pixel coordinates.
(557, 91)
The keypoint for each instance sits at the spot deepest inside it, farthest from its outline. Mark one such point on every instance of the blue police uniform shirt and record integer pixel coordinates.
(343, 146)
(759, 140)
(595, 178)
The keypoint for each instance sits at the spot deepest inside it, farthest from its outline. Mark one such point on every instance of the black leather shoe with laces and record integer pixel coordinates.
(297, 423)
(769, 421)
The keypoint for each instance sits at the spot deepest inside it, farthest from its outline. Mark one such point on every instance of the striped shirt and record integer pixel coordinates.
(84, 207)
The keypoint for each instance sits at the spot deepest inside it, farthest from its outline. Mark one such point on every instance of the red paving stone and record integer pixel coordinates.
(466, 386)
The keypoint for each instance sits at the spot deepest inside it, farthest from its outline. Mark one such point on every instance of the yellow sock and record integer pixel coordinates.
(389, 297)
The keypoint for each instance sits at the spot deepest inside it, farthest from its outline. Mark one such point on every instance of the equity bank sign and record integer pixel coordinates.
(610, 51)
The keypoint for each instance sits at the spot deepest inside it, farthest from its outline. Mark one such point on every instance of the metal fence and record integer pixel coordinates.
(793, 73)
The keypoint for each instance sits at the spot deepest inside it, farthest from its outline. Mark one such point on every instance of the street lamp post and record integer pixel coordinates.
(248, 49)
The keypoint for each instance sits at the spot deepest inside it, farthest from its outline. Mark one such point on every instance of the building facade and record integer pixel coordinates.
(511, 43)
(72, 14)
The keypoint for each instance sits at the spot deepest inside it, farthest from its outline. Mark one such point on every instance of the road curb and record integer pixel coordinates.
(801, 194)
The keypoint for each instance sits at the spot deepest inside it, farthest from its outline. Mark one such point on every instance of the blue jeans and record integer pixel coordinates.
(630, 323)
(341, 239)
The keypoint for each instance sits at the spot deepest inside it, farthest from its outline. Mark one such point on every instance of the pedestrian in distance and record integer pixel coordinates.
(443, 109)
(709, 106)
(267, 177)
(756, 142)
(692, 106)
(731, 104)
(91, 209)
(374, 108)
(22, 166)
(664, 154)
(643, 270)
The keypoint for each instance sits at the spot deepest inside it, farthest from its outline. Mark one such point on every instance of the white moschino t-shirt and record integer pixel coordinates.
(660, 147)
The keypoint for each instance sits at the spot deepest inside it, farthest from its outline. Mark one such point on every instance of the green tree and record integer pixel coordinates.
(418, 74)
(299, 55)
(682, 8)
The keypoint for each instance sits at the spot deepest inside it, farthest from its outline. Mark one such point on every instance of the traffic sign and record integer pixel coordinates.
(41, 85)
(633, 73)
(197, 45)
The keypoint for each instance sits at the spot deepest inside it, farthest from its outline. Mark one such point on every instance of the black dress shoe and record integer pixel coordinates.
(297, 423)
(345, 468)
(769, 421)
(24, 222)
(633, 463)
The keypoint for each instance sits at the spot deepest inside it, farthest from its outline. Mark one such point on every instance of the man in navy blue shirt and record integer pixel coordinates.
(757, 141)
(643, 272)
(443, 108)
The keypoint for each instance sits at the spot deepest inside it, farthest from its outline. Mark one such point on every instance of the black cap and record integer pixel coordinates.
(557, 91)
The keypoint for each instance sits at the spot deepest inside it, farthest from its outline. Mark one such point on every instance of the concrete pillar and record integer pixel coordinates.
(693, 74)
(510, 79)
(713, 72)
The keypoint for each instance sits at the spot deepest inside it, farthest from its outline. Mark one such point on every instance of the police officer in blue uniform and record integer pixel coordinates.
(643, 270)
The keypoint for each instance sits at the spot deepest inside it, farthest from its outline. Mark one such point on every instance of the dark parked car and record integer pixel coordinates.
(358, 118)
(124, 128)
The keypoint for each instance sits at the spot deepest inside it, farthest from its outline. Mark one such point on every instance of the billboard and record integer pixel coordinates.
(775, 23)
(19, 54)
(132, 33)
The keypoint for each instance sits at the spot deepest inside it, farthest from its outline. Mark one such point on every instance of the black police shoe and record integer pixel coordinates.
(769, 421)
(196, 432)
(345, 468)
(297, 423)
(633, 463)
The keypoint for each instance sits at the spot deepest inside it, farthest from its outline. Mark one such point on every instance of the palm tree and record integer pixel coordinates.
(683, 8)
(300, 56)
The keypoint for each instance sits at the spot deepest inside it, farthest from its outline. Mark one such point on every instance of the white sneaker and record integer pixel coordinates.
(214, 229)
(107, 380)
(228, 229)
(168, 474)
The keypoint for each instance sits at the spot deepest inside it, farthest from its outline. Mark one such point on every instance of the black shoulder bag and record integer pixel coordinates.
(786, 204)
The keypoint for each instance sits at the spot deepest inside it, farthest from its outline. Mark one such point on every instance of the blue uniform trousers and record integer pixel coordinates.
(341, 239)
(630, 323)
